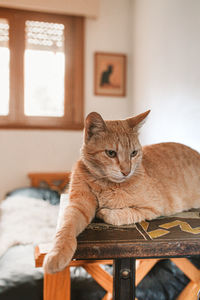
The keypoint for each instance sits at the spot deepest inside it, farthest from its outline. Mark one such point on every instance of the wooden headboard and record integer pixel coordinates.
(54, 181)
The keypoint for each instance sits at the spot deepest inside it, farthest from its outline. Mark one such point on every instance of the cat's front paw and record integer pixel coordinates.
(57, 259)
(109, 216)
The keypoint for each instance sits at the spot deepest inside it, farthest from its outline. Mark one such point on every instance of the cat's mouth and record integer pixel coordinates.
(118, 180)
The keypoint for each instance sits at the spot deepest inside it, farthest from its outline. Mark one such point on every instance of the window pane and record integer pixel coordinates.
(44, 69)
(4, 67)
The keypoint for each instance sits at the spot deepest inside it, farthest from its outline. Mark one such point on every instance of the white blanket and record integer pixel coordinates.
(26, 220)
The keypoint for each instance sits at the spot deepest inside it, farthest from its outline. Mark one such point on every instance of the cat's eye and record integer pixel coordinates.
(111, 153)
(134, 153)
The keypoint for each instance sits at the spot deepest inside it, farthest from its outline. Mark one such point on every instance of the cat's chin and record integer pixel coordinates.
(117, 180)
(120, 180)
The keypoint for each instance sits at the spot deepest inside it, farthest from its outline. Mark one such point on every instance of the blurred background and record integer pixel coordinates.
(160, 39)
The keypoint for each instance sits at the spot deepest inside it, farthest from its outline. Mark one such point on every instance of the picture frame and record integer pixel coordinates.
(110, 74)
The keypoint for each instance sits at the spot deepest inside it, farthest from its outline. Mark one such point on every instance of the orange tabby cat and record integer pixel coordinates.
(123, 183)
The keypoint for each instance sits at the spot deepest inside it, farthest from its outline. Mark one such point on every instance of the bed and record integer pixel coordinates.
(20, 280)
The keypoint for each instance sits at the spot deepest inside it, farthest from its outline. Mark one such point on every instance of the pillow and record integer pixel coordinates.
(49, 195)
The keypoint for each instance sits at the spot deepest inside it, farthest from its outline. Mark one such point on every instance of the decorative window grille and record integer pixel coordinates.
(4, 67)
(44, 35)
(4, 33)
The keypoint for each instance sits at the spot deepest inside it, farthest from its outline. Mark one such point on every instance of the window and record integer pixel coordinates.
(41, 70)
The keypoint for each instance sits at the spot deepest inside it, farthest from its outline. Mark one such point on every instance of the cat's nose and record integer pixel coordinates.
(125, 172)
(125, 168)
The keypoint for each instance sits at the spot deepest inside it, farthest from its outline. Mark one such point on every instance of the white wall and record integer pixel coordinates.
(23, 151)
(166, 69)
(112, 33)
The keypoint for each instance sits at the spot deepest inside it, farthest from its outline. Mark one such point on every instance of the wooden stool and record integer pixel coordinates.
(158, 239)
(166, 237)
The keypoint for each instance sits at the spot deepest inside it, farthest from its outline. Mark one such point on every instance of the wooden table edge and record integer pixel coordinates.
(150, 249)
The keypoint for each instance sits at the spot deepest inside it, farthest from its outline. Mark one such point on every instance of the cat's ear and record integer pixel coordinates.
(137, 121)
(94, 125)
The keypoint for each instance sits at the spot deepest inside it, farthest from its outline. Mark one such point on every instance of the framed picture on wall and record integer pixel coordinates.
(110, 74)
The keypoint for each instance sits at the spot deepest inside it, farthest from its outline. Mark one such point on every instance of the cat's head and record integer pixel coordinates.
(111, 149)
